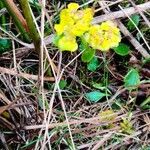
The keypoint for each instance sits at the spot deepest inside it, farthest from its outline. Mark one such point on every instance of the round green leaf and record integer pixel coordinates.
(136, 19)
(62, 84)
(88, 54)
(93, 64)
(94, 96)
(132, 79)
(122, 49)
(5, 44)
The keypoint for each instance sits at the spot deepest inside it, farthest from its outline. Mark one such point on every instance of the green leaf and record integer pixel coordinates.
(94, 96)
(62, 84)
(132, 79)
(136, 19)
(5, 44)
(122, 49)
(88, 54)
(146, 103)
(93, 64)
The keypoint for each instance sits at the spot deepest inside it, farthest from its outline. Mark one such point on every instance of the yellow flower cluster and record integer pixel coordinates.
(104, 36)
(77, 23)
(73, 23)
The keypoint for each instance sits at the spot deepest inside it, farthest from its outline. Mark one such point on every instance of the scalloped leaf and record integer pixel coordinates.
(122, 49)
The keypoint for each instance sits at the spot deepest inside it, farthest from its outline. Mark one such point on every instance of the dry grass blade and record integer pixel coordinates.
(3, 140)
(7, 101)
(7, 124)
(101, 142)
(147, 121)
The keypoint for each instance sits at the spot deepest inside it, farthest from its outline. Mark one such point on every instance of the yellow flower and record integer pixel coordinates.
(94, 37)
(59, 28)
(108, 116)
(105, 45)
(73, 19)
(85, 15)
(65, 17)
(83, 20)
(68, 43)
(111, 34)
(104, 36)
(73, 7)
(88, 14)
(79, 28)
(66, 22)
(73, 22)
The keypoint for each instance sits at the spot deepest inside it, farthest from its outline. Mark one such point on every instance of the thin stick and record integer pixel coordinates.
(120, 14)
(41, 68)
(111, 4)
(133, 41)
(15, 63)
(23, 75)
(101, 142)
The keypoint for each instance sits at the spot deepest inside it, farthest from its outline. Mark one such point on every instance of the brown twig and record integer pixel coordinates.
(101, 142)
(133, 41)
(4, 108)
(23, 75)
(120, 13)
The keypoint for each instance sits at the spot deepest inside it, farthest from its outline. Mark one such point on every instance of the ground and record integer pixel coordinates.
(53, 99)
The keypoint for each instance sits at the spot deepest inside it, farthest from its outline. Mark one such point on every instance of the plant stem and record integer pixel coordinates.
(145, 102)
(2, 18)
(31, 25)
(33, 31)
(17, 17)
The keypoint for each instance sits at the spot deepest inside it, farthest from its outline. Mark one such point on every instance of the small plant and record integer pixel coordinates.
(126, 126)
(108, 116)
(77, 24)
